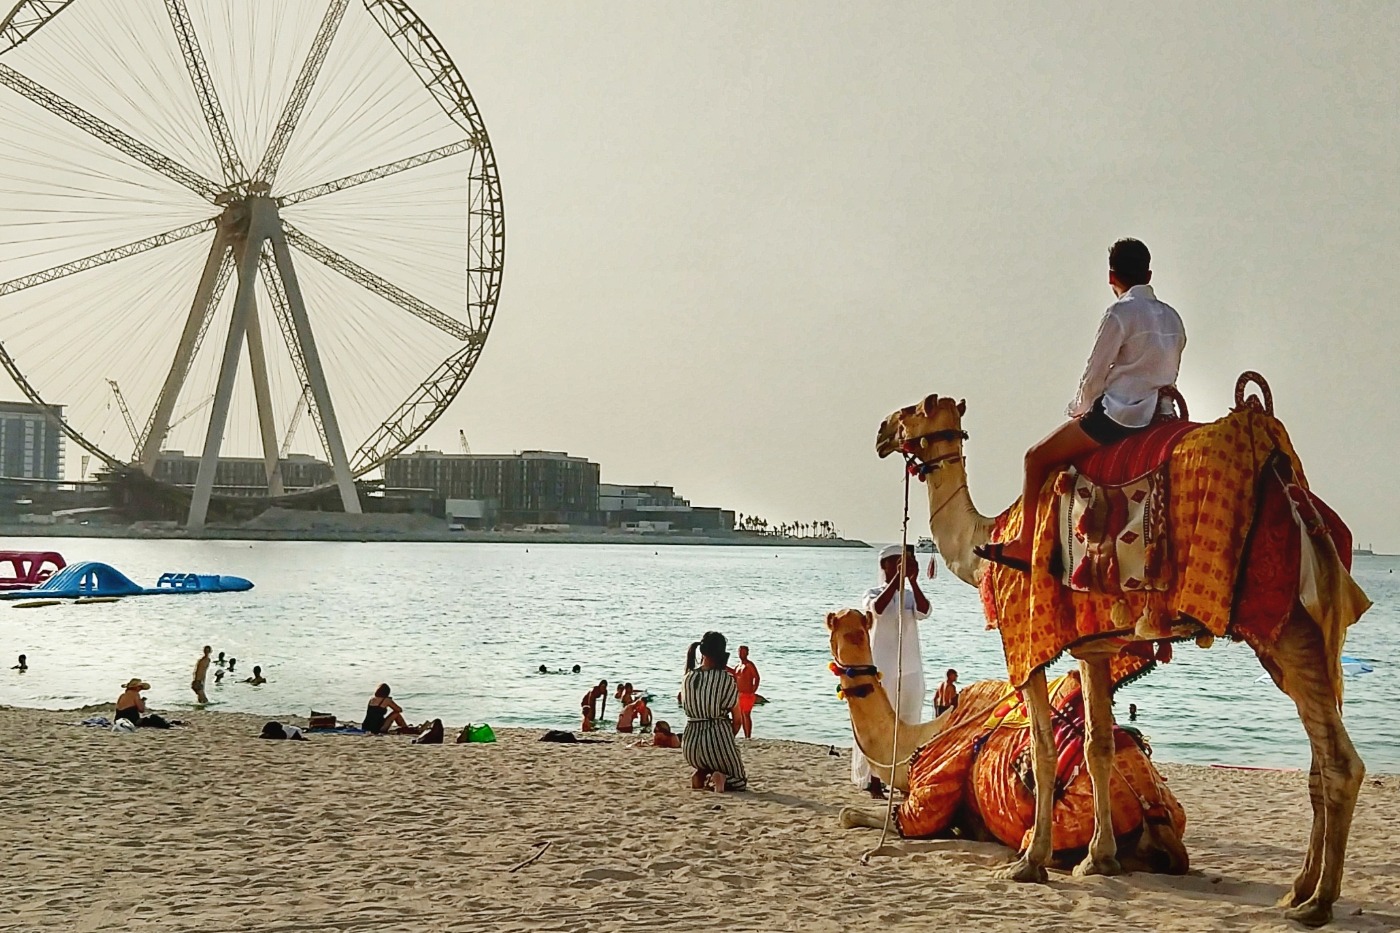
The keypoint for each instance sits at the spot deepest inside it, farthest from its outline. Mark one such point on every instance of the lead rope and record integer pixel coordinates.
(898, 686)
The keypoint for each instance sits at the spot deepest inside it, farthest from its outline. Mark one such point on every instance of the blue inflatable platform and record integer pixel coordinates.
(90, 578)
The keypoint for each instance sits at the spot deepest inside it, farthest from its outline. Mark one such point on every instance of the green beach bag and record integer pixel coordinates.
(481, 733)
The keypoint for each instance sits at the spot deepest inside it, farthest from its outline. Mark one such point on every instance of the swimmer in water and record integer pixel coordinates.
(633, 711)
(257, 680)
(22, 666)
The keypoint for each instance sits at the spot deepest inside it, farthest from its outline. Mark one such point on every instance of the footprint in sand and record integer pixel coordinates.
(609, 874)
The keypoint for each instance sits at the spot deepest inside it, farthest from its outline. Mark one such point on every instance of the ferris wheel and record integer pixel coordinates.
(234, 221)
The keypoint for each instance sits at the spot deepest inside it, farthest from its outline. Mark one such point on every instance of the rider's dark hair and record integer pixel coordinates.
(1130, 261)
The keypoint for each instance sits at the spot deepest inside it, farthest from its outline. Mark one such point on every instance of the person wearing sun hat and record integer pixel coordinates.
(894, 660)
(131, 705)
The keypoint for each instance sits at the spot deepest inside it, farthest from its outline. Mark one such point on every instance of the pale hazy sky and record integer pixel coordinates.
(740, 234)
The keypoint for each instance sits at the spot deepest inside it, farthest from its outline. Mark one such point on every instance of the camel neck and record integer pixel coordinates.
(954, 522)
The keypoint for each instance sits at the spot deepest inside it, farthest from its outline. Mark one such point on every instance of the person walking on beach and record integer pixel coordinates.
(897, 664)
(710, 700)
(946, 696)
(746, 676)
(201, 670)
(1136, 355)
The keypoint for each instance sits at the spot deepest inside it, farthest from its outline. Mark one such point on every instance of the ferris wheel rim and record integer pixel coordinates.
(423, 53)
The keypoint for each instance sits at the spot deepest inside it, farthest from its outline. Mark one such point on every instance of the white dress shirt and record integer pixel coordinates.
(1137, 352)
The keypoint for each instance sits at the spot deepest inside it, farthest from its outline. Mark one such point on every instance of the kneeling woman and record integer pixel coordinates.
(710, 696)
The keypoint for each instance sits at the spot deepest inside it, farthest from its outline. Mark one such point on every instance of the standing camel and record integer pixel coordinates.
(1226, 478)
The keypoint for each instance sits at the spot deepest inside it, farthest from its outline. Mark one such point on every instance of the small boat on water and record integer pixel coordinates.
(24, 570)
(926, 546)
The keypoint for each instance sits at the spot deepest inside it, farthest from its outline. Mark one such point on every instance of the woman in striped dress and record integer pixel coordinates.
(710, 696)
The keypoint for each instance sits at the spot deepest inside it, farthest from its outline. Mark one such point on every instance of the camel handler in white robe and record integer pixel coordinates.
(883, 602)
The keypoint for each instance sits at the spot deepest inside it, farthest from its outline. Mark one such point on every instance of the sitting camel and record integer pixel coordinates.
(965, 770)
(1250, 553)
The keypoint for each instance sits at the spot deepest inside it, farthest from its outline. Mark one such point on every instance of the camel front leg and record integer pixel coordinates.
(1102, 858)
(1031, 865)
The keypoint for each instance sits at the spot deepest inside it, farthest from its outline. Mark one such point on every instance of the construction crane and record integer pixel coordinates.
(295, 420)
(126, 412)
(191, 413)
(462, 436)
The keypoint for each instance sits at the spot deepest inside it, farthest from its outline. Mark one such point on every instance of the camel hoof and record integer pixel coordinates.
(1025, 872)
(1311, 914)
(1292, 899)
(1093, 866)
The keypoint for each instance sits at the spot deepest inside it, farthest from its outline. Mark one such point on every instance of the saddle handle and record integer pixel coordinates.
(1179, 400)
(1264, 401)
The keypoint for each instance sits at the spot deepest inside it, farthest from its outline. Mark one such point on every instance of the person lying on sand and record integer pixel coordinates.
(431, 734)
(663, 737)
(633, 711)
(383, 713)
(276, 730)
(257, 680)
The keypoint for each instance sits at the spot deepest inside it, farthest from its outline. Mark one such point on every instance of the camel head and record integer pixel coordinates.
(850, 637)
(931, 430)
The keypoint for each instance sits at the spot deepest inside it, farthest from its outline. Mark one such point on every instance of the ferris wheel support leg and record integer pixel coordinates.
(316, 376)
(228, 371)
(159, 425)
(257, 360)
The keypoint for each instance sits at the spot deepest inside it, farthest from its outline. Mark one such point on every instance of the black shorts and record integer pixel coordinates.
(1098, 425)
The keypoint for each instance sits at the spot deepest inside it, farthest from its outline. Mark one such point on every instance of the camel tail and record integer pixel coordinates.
(1331, 596)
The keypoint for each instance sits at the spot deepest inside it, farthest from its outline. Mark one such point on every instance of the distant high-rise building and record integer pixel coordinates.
(31, 444)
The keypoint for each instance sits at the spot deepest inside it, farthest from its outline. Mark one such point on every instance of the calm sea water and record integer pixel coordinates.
(459, 629)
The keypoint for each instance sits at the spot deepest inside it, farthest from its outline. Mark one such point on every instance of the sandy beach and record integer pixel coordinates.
(208, 827)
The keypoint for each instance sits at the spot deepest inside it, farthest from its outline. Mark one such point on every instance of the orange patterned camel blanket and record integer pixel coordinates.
(1216, 474)
(981, 764)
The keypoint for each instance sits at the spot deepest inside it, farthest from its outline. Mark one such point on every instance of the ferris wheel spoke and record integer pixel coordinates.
(306, 80)
(102, 258)
(382, 287)
(374, 174)
(27, 18)
(204, 88)
(107, 133)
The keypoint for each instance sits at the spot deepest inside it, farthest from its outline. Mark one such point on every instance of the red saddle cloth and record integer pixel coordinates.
(1134, 456)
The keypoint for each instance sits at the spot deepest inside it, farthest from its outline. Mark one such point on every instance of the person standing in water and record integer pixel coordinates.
(746, 676)
(201, 670)
(896, 656)
(946, 696)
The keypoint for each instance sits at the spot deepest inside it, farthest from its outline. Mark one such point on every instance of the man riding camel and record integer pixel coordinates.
(1137, 354)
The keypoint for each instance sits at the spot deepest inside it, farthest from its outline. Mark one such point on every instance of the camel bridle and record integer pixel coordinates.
(915, 451)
